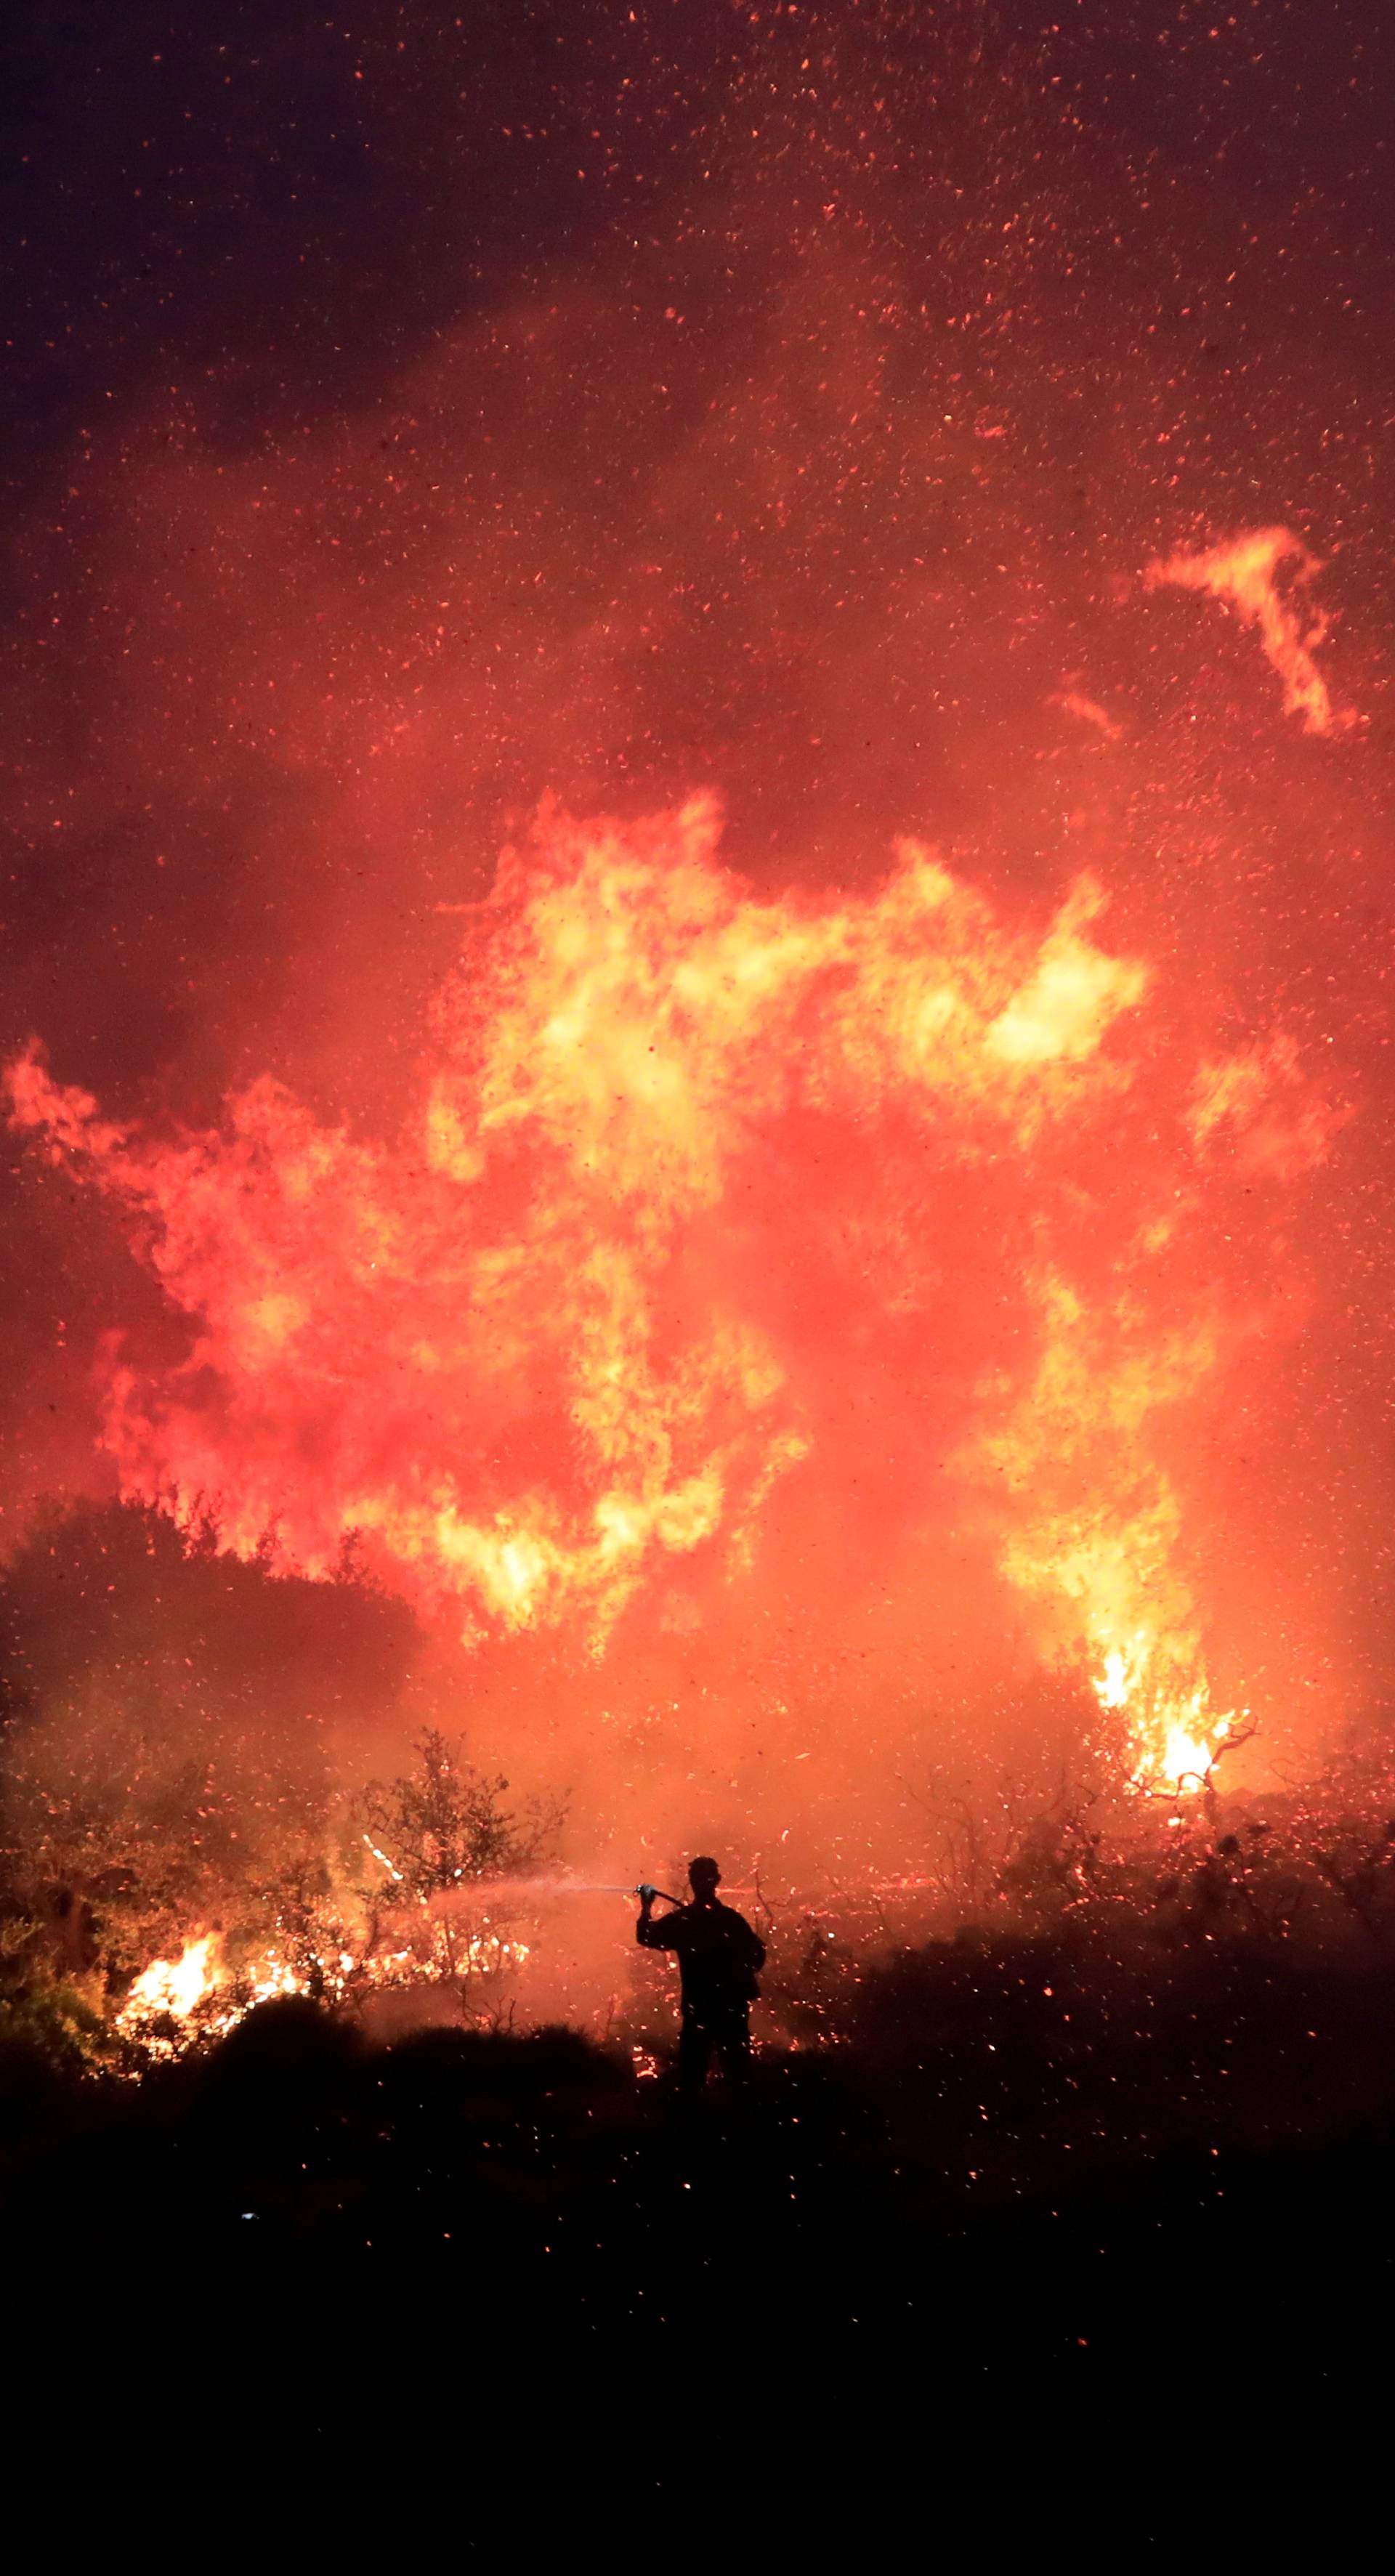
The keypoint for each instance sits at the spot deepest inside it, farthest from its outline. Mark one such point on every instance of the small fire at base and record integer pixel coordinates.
(200, 1996)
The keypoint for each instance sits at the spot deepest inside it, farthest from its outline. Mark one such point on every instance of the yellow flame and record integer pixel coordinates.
(173, 1985)
(1112, 1689)
(1175, 1734)
(197, 1991)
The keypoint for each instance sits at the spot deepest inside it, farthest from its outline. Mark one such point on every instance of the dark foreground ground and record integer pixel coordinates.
(1141, 2199)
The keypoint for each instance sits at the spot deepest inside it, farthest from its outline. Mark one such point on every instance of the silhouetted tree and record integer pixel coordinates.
(443, 1825)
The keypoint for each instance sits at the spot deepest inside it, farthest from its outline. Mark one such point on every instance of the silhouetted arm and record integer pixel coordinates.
(654, 1936)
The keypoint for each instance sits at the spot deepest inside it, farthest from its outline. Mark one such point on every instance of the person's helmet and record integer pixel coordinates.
(704, 1877)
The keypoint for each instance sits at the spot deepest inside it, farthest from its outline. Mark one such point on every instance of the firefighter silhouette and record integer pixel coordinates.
(719, 1961)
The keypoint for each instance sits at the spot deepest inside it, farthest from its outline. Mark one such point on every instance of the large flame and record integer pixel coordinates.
(704, 1193)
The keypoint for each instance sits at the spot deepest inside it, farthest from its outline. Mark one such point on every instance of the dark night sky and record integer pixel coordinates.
(410, 414)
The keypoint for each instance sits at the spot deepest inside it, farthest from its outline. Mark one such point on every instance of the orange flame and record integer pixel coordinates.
(1243, 571)
(1096, 1541)
(201, 1998)
(557, 1337)
(634, 1022)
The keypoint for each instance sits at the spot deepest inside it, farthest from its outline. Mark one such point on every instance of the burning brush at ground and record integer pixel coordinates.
(181, 1834)
(401, 1900)
(149, 1903)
